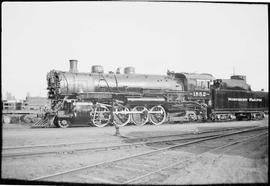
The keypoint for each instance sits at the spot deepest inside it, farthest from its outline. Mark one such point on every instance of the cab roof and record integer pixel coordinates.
(203, 76)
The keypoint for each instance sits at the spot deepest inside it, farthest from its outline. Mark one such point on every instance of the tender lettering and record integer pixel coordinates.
(245, 99)
(255, 100)
(237, 99)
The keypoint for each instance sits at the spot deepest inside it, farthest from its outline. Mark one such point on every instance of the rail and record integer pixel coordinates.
(145, 153)
(10, 155)
(184, 161)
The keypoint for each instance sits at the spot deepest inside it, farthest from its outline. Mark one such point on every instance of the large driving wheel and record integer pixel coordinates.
(139, 115)
(120, 116)
(101, 116)
(157, 115)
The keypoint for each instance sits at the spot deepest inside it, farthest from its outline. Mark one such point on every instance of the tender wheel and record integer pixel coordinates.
(262, 115)
(157, 115)
(120, 117)
(101, 116)
(212, 117)
(248, 116)
(192, 116)
(238, 117)
(140, 117)
(63, 123)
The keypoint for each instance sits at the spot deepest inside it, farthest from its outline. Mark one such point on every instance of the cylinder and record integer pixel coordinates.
(129, 70)
(97, 69)
(73, 66)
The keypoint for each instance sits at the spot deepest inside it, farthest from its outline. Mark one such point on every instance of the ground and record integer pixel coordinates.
(245, 163)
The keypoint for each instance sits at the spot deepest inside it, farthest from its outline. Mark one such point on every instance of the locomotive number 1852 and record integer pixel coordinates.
(199, 94)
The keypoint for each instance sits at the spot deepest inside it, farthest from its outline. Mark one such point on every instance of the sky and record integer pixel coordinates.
(153, 37)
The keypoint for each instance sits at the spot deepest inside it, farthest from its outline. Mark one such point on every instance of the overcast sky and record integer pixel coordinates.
(153, 37)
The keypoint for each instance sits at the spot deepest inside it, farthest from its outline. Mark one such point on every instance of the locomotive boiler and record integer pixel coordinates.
(69, 83)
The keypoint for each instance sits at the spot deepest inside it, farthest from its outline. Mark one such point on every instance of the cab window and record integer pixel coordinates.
(203, 84)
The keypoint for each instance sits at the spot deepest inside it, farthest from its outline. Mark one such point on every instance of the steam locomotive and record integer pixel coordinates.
(100, 99)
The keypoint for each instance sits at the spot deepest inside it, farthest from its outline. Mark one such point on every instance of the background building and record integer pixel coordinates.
(35, 103)
(30, 103)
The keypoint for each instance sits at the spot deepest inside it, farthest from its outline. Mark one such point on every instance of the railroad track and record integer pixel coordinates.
(132, 142)
(112, 165)
(126, 139)
(108, 147)
(186, 162)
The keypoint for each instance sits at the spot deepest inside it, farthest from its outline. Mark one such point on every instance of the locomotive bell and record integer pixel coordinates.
(129, 70)
(73, 65)
(97, 69)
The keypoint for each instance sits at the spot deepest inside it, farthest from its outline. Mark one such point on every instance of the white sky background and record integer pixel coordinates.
(152, 37)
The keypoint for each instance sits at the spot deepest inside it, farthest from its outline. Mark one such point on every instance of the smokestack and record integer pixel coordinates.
(73, 65)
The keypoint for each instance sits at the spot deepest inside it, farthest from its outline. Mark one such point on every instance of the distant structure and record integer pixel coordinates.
(27, 110)
(9, 96)
(28, 94)
(11, 105)
(35, 103)
(30, 103)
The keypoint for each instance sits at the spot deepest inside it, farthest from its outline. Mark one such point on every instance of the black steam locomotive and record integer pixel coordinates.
(101, 99)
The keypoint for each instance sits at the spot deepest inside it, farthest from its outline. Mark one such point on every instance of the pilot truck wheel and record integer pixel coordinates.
(63, 123)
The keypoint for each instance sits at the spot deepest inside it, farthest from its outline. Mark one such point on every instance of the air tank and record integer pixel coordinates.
(129, 70)
(97, 69)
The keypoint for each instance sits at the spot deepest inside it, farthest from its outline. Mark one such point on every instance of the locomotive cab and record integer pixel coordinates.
(197, 86)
